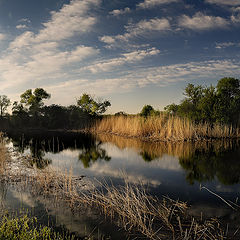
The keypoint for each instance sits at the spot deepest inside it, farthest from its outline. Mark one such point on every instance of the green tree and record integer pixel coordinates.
(228, 100)
(92, 106)
(4, 104)
(147, 110)
(172, 108)
(34, 100)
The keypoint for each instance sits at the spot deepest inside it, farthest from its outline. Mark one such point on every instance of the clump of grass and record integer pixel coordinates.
(135, 209)
(26, 228)
(3, 155)
(162, 127)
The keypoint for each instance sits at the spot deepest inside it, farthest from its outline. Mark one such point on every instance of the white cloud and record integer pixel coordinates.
(225, 2)
(2, 36)
(141, 28)
(37, 57)
(202, 22)
(155, 24)
(226, 44)
(235, 18)
(24, 20)
(21, 26)
(130, 57)
(155, 76)
(118, 12)
(107, 39)
(153, 3)
(70, 20)
(22, 40)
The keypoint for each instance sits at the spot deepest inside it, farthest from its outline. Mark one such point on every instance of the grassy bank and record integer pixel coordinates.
(163, 128)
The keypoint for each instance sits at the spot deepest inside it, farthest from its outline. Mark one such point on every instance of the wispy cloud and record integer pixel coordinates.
(226, 45)
(153, 3)
(141, 28)
(235, 18)
(202, 22)
(153, 76)
(130, 57)
(44, 55)
(118, 12)
(224, 2)
(21, 26)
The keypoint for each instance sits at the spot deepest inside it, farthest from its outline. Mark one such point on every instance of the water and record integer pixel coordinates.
(176, 170)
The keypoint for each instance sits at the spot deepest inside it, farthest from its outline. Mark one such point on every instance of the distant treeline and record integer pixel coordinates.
(31, 112)
(202, 104)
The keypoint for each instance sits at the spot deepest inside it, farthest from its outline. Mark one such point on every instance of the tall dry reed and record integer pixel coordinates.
(163, 127)
(3, 155)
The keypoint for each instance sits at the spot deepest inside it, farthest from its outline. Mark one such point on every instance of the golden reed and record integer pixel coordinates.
(162, 128)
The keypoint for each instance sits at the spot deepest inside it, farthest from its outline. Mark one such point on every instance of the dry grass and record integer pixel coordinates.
(163, 127)
(129, 206)
(3, 155)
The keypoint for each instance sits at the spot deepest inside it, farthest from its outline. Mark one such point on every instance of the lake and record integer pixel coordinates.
(177, 170)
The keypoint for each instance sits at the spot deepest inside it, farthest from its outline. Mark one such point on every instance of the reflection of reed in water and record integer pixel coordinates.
(153, 150)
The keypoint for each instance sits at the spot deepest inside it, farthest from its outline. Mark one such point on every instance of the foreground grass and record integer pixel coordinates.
(26, 228)
(163, 127)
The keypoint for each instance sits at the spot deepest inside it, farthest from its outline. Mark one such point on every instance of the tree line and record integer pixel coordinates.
(220, 104)
(31, 112)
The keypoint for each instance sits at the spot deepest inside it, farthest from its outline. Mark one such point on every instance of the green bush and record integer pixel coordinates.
(26, 228)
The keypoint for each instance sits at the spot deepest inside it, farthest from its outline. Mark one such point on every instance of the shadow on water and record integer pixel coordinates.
(39, 145)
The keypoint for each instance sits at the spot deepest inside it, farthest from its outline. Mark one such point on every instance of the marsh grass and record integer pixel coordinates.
(3, 155)
(129, 206)
(163, 127)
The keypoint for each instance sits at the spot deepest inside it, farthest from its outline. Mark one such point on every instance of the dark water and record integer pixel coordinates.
(176, 170)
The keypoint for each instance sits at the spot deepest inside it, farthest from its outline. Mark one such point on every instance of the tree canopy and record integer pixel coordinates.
(210, 104)
(92, 106)
(4, 104)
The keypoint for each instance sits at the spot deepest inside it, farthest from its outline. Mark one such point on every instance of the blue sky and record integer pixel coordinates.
(130, 52)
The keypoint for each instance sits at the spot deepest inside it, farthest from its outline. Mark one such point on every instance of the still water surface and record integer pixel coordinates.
(167, 169)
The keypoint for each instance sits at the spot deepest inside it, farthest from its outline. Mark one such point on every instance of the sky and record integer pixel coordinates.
(131, 53)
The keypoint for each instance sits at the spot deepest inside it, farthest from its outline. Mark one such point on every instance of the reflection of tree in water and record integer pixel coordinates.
(90, 155)
(54, 142)
(148, 156)
(206, 164)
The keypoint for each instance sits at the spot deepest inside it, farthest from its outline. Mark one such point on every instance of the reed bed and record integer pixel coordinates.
(162, 128)
(3, 155)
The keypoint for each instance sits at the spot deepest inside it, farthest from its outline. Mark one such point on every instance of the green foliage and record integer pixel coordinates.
(26, 228)
(210, 104)
(92, 106)
(4, 104)
(147, 111)
(34, 100)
